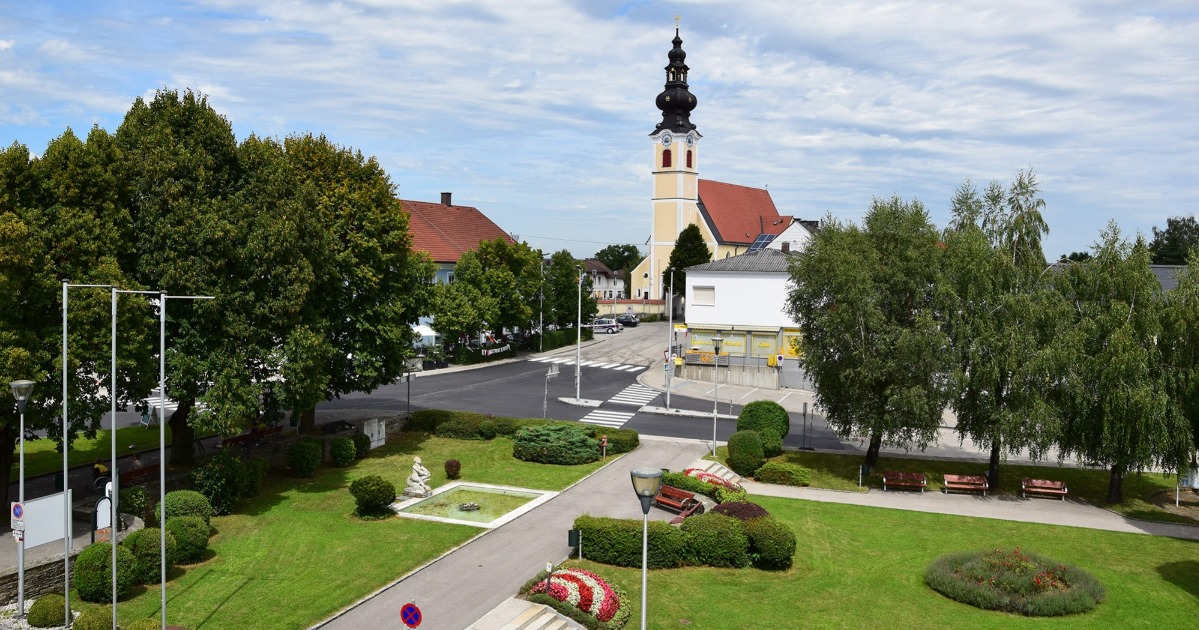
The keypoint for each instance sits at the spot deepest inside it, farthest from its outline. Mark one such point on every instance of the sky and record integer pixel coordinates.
(538, 112)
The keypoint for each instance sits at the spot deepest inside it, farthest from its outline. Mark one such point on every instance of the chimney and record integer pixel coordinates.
(445, 199)
(786, 247)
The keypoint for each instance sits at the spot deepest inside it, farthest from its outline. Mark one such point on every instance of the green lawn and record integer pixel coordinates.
(837, 471)
(295, 554)
(43, 457)
(860, 567)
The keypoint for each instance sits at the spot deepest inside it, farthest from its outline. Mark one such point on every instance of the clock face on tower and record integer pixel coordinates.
(690, 139)
(667, 139)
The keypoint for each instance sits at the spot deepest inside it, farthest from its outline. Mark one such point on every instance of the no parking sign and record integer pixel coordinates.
(410, 615)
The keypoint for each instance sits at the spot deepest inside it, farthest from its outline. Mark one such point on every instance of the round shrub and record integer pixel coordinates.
(619, 440)
(342, 451)
(221, 480)
(772, 444)
(47, 612)
(191, 538)
(1015, 581)
(717, 540)
(453, 468)
(185, 503)
(555, 444)
(303, 457)
(771, 542)
(727, 495)
(617, 541)
(784, 474)
(362, 445)
(372, 494)
(745, 452)
(145, 545)
(145, 623)
(741, 510)
(93, 572)
(487, 429)
(764, 415)
(98, 618)
(506, 426)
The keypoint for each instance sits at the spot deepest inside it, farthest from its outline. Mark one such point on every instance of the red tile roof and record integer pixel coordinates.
(446, 232)
(739, 213)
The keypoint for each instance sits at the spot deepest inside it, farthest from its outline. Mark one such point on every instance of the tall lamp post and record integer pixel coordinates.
(21, 390)
(716, 341)
(646, 482)
(579, 335)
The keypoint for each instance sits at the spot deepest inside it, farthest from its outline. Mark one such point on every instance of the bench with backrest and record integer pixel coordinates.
(966, 483)
(898, 479)
(1043, 486)
(135, 476)
(253, 438)
(681, 501)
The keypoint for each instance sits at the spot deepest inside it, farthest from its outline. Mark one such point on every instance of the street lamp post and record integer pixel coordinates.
(669, 338)
(716, 341)
(21, 390)
(579, 335)
(646, 482)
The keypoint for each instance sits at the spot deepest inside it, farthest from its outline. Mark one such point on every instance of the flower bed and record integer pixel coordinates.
(1014, 581)
(708, 477)
(587, 592)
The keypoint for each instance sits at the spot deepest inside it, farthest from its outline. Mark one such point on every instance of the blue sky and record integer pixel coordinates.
(538, 112)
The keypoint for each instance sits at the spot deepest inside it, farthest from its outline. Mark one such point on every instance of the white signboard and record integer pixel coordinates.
(44, 519)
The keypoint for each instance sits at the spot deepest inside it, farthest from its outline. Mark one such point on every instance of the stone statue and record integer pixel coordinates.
(418, 481)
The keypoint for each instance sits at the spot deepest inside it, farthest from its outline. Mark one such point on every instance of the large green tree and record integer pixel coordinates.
(622, 259)
(460, 309)
(1001, 315)
(1172, 245)
(1116, 395)
(866, 301)
(562, 291)
(510, 274)
(689, 250)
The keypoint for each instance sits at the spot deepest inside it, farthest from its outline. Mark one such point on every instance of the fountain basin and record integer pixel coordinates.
(497, 505)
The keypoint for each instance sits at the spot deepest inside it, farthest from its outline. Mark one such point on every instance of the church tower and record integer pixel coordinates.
(675, 175)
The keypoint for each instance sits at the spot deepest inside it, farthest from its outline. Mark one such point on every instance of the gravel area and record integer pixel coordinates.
(9, 620)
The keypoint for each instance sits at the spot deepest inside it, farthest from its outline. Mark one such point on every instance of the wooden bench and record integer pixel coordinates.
(253, 438)
(1042, 486)
(681, 501)
(904, 480)
(139, 475)
(966, 483)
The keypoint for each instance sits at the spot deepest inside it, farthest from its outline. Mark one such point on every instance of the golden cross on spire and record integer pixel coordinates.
(676, 22)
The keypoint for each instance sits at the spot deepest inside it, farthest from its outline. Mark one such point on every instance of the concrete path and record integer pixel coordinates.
(461, 587)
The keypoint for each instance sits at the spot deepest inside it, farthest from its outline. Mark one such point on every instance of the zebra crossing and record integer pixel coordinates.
(603, 417)
(635, 394)
(595, 364)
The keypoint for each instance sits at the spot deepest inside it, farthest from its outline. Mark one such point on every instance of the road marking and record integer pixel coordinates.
(620, 367)
(614, 419)
(632, 368)
(635, 394)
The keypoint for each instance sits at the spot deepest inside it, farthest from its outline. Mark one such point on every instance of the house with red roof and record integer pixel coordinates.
(446, 231)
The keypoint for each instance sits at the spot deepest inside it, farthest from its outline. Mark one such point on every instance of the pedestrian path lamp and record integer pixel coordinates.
(646, 482)
(716, 341)
(21, 390)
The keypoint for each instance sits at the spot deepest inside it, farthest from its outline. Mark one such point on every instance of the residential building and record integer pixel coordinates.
(446, 231)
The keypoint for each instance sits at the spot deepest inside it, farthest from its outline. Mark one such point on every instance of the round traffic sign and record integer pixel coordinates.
(410, 615)
(18, 510)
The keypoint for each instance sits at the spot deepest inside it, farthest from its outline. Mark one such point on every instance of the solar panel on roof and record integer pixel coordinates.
(761, 242)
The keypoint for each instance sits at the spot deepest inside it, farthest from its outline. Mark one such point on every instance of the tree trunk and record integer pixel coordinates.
(1115, 485)
(8, 435)
(993, 469)
(307, 421)
(876, 443)
(182, 436)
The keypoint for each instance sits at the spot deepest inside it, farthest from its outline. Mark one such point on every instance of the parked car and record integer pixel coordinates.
(628, 319)
(609, 326)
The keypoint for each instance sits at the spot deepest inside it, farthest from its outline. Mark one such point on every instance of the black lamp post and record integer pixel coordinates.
(21, 390)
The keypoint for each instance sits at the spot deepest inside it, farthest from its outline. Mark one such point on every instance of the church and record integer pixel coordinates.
(733, 219)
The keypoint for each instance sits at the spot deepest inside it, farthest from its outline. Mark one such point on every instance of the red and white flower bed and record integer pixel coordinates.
(584, 590)
(708, 477)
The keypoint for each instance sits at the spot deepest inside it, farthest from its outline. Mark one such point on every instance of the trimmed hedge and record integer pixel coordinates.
(96, 618)
(745, 452)
(689, 483)
(145, 623)
(717, 540)
(764, 415)
(772, 444)
(619, 440)
(372, 494)
(771, 542)
(48, 611)
(303, 457)
(555, 444)
(461, 427)
(362, 445)
(93, 572)
(783, 473)
(617, 541)
(222, 480)
(185, 503)
(342, 451)
(147, 562)
(427, 419)
(191, 538)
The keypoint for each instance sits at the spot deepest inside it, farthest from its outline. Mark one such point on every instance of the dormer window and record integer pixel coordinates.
(666, 158)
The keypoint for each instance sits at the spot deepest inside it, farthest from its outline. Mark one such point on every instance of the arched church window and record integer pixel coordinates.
(688, 158)
(666, 158)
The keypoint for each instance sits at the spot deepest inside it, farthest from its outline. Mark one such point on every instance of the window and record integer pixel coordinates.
(705, 296)
(688, 158)
(665, 158)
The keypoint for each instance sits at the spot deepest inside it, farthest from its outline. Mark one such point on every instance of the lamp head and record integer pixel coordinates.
(21, 390)
(646, 481)
(716, 341)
